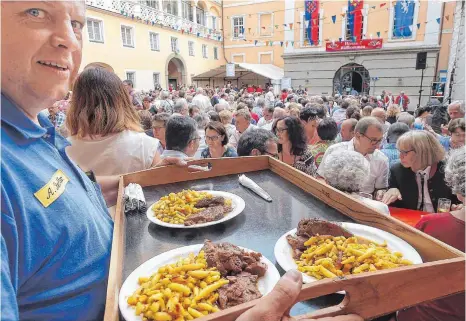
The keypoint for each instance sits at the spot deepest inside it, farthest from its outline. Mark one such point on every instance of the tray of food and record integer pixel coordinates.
(173, 232)
(194, 209)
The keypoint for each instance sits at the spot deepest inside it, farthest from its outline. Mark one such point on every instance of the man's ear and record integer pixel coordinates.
(255, 152)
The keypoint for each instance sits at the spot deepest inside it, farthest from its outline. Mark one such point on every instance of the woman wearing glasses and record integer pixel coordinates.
(217, 139)
(418, 181)
(292, 146)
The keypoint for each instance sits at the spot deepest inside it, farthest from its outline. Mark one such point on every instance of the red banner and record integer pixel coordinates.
(364, 44)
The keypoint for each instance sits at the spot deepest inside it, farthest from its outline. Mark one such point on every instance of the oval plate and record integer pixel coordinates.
(284, 257)
(265, 284)
(237, 203)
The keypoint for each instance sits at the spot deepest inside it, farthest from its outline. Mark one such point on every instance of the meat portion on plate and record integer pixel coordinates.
(309, 227)
(209, 214)
(209, 202)
(242, 288)
(231, 260)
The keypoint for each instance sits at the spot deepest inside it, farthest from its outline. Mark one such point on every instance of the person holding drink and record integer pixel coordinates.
(418, 181)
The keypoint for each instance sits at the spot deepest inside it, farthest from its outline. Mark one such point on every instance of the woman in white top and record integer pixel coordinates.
(106, 135)
(346, 171)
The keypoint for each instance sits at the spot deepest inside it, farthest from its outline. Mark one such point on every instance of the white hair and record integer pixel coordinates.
(199, 90)
(345, 170)
(460, 104)
(455, 172)
(164, 95)
(179, 105)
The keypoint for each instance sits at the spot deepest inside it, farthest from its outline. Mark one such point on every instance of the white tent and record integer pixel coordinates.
(253, 74)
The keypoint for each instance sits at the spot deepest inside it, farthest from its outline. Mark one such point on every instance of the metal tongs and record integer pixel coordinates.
(249, 183)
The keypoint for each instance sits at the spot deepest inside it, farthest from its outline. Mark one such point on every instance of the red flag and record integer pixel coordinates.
(383, 4)
(291, 26)
(358, 18)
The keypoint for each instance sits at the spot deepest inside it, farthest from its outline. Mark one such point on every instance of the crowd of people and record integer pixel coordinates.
(61, 160)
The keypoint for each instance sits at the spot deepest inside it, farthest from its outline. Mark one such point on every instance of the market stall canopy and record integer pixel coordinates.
(268, 71)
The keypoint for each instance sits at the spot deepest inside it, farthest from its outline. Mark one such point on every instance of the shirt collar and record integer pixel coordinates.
(351, 147)
(425, 171)
(174, 153)
(23, 125)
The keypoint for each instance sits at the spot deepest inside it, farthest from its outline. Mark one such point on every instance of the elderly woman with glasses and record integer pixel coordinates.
(418, 181)
(217, 142)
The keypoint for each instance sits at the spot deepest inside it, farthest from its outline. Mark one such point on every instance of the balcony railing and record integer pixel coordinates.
(140, 10)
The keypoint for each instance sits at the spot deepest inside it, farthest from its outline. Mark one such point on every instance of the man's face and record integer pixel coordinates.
(41, 50)
(457, 138)
(272, 148)
(346, 133)
(241, 124)
(369, 141)
(159, 130)
(146, 104)
(185, 111)
(454, 112)
(267, 115)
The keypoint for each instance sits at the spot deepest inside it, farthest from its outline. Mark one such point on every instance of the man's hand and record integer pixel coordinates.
(277, 304)
(391, 196)
(173, 161)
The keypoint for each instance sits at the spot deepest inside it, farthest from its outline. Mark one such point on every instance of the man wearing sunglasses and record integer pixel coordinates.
(368, 135)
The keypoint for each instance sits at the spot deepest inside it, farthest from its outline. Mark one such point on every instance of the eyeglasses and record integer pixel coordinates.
(373, 141)
(212, 138)
(158, 128)
(280, 130)
(405, 152)
(273, 155)
(196, 138)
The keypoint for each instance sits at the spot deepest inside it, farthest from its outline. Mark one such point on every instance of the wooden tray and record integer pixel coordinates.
(346, 207)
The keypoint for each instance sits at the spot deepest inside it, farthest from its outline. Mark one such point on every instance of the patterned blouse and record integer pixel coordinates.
(229, 152)
(309, 162)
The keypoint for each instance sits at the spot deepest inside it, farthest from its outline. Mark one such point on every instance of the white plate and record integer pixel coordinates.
(284, 257)
(265, 284)
(237, 204)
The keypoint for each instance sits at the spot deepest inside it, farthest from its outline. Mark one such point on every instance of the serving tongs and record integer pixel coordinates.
(374, 294)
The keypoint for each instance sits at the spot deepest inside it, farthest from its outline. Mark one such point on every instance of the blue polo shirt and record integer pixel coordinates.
(56, 232)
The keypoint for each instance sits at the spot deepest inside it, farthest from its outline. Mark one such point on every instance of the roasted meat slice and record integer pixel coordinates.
(242, 288)
(208, 202)
(310, 226)
(208, 214)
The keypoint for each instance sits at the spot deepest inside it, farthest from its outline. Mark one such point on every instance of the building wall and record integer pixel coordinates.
(259, 26)
(141, 59)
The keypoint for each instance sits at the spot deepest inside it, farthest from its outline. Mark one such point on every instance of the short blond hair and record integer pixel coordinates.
(393, 110)
(244, 113)
(428, 149)
(225, 116)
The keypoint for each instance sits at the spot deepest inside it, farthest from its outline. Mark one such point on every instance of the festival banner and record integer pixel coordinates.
(364, 44)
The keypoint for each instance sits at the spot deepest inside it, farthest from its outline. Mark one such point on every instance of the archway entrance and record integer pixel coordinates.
(351, 77)
(175, 71)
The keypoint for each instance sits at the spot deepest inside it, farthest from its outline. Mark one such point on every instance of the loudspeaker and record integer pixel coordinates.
(421, 60)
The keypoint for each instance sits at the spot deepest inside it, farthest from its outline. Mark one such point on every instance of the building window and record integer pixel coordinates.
(265, 24)
(238, 27)
(403, 19)
(170, 7)
(354, 21)
(95, 30)
(215, 53)
(154, 41)
(204, 51)
(187, 11)
(311, 34)
(200, 16)
(127, 36)
(265, 58)
(214, 22)
(131, 75)
(191, 48)
(156, 79)
(151, 3)
(174, 44)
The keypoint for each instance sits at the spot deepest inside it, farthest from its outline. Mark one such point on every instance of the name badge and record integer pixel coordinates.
(51, 191)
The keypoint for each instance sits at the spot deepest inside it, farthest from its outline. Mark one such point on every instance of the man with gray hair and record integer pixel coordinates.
(456, 109)
(166, 105)
(181, 108)
(270, 97)
(256, 142)
(406, 118)
(201, 101)
(221, 106)
(259, 108)
(367, 138)
(182, 139)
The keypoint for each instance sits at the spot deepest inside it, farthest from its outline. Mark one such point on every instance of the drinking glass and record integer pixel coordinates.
(444, 205)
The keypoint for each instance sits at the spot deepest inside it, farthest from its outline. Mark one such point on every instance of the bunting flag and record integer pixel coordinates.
(373, 7)
(153, 23)
(276, 26)
(378, 34)
(292, 44)
(418, 25)
(404, 17)
(312, 16)
(182, 31)
(281, 43)
(249, 30)
(198, 34)
(339, 39)
(271, 43)
(132, 16)
(334, 19)
(284, 25)
(447, 17)
(190, 29)
(383, 4)
(291, 26)
(343, 14)
(286, 43)
(438, 20)
(355, 18)
(255, 42)
(263, 28)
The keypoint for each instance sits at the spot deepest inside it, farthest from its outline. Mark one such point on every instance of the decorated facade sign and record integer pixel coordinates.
(364, 44)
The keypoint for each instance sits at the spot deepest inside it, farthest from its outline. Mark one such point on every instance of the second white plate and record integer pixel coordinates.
(284, 257)
(237, 203)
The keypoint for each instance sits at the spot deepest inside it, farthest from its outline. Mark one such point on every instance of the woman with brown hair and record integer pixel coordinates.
(105, 130)
(217, 142)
